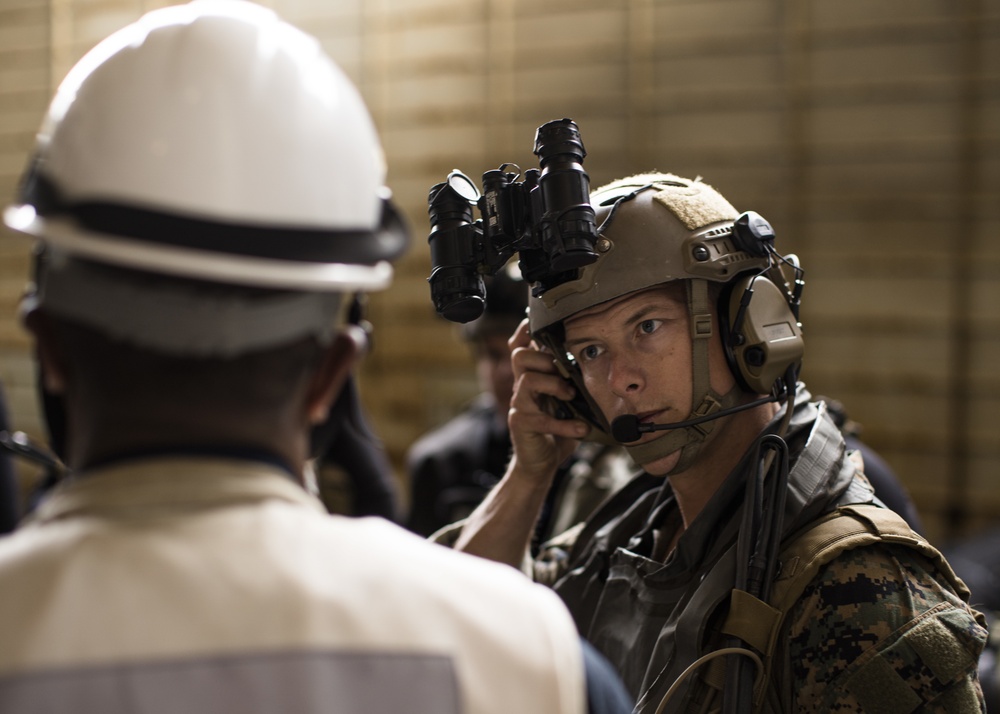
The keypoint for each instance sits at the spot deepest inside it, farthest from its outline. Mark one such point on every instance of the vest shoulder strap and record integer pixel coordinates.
(843, 529)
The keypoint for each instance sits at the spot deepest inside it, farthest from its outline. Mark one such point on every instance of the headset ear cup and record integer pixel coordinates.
(768, 339)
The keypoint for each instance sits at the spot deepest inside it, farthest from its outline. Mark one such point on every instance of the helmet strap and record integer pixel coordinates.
(704, 400)
(701, 332)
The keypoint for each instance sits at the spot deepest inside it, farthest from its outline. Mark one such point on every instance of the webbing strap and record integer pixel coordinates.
(701, 331)
(752, 620)
(846, 528)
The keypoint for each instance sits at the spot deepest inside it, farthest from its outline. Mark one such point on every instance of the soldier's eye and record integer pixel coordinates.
(649, 326)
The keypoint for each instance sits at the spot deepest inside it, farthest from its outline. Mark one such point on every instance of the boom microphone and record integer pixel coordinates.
(627, 428)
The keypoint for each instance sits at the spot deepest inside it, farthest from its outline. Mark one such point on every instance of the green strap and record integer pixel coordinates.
(701, 332)
(752, 620)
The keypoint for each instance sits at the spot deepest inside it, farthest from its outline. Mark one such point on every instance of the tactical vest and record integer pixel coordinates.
(762, 625)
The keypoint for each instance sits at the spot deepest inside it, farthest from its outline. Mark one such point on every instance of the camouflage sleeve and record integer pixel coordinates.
(875, 631)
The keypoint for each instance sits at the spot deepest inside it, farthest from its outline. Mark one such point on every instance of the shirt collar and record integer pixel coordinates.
(161, 485)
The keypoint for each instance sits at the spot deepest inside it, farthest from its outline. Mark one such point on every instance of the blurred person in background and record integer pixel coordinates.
(883, 478)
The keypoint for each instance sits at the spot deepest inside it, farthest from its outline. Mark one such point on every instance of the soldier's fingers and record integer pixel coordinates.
(521, 336)
(533, 421)
(529, 359)
(531, 385)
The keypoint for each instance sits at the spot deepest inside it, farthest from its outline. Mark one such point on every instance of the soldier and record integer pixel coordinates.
(208, 194)
(750, 563)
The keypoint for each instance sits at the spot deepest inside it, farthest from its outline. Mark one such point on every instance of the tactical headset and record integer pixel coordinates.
(758, 313)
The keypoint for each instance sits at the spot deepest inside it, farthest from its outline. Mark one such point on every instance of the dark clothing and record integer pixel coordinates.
(885, 483)
(605, 692)
(452, 468)
(977, 561)
(879, 473)
(346, 441)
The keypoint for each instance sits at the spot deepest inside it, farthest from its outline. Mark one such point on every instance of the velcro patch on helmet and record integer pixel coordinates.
(696, 205)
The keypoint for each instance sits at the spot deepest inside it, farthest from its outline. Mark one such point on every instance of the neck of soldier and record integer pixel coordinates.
(722, 451)
(102, 433)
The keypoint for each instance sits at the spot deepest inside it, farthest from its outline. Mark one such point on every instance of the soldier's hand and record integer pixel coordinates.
(541, 441)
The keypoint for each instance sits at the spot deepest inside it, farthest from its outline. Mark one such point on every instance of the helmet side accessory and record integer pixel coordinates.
(758, 313)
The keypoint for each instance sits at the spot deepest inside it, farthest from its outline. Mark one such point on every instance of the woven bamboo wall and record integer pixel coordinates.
(867, 133)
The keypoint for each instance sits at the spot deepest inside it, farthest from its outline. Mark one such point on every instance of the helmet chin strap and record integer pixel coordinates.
(688, 440)
(705, 401)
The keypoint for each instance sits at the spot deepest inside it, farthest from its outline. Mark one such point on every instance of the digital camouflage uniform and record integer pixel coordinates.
(883, 626)
(868, 596)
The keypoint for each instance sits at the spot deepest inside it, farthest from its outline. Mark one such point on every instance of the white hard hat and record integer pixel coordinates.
(214, 141)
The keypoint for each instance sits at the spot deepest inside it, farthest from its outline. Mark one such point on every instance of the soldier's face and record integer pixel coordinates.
(635, 356)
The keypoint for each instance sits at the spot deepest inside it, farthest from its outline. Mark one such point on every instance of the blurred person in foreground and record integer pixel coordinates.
(750, 567)
(208, 194)
(453, 467)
